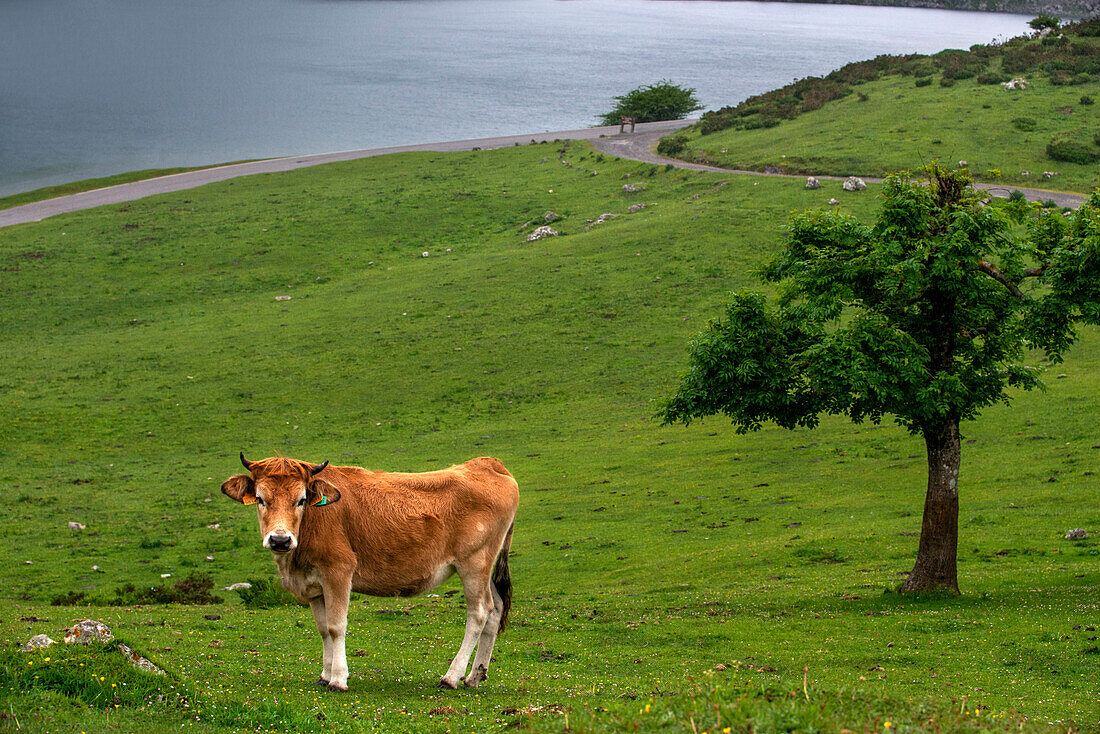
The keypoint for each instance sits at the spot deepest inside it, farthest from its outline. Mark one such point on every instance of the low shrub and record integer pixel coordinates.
(1024, 124)
(947, 81)
(923, 81)
(992, 78)
(1070, 151)
(672, 145)
(1086, 100)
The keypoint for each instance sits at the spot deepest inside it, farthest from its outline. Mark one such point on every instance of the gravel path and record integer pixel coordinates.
(636, 146)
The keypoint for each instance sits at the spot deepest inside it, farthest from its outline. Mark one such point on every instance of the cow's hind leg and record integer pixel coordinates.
(480, 669)
(479, 605)
(317, 606)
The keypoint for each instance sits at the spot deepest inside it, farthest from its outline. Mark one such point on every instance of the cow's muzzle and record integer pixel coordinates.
(280, 541)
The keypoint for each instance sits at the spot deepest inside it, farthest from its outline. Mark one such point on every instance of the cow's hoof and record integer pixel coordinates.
(475, 677)
(337, 688)
(321, 682)
(444, 683)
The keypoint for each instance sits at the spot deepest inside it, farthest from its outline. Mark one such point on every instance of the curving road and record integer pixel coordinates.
(636, 146)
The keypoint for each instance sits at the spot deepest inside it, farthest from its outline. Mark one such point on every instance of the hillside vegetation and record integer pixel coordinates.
(894, 112)
(666, 579)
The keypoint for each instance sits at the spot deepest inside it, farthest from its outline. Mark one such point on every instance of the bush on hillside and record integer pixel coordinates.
(652, 103)
(1070, 151)
(1024, 124)
(265, 594)
(1086, 100)
(672, 145)
(923, 81)
(1039, 22)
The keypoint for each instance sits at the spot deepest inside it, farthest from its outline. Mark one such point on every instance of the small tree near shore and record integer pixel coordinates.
(653, 103)
(926, 316)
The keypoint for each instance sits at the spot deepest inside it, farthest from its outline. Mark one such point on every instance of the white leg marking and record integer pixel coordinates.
(317, 606)
(479, 602)
(480, 669)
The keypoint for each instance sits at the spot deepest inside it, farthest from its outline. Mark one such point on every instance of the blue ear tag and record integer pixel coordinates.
(324, 501)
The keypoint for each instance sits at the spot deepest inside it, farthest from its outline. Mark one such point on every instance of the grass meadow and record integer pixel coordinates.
(667, 579)
(900, 122)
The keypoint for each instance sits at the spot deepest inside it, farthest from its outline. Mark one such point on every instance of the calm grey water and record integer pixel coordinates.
(95, 87)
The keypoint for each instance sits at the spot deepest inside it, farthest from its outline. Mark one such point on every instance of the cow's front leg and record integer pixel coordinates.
(337, 590)
(317, 606)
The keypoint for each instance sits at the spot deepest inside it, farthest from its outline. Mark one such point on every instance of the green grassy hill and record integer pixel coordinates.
(668, 579)
(895, 113)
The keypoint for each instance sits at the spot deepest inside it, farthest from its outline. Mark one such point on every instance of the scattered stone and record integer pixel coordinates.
(631, 188)
(550, 217)
(76, 526)
(852, 183)
(812, 183)
(425, 254)
(720, 666)
(138, 661)
(634, 208)
(1015, 84)
(600, 220)
(238, 585)
(1025, 173)
(544, 231)
(771, 170)
(212, 617)
(38, 641)
(1077, 534)
(282, 298)
(214, 526)
(1049, 174)
(963, 164)
(543, 161)
(833, 202)
(210, 558)
(87, 631)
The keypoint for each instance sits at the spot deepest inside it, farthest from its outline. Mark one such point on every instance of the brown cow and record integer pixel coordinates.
(338, 529)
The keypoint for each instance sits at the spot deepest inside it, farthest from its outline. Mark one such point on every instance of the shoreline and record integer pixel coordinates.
(607, 139)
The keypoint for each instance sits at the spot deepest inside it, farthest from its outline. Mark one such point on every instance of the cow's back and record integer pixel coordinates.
(397, 528)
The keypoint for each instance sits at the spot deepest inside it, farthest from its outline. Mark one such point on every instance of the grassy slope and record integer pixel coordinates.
(145, 347)
(900, 126)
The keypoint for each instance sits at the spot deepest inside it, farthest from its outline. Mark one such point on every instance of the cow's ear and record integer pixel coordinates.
(239, 487)
(322, 493)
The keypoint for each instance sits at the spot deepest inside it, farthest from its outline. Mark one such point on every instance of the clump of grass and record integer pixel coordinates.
(265, 594)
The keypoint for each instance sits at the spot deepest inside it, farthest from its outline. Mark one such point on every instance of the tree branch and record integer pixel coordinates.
(989, 269)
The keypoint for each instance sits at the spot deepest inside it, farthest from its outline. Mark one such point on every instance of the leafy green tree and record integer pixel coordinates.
(926, 316)
(1039, 22)
(653, 103)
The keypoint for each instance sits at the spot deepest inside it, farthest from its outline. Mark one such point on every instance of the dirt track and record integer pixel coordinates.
(637, 146)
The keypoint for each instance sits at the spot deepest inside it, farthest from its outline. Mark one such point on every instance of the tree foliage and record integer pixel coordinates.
(927, 316)
(1039, 22)
(653, 103)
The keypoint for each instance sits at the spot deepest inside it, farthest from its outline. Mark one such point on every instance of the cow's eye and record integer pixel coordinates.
(302, 502)
(260, 501)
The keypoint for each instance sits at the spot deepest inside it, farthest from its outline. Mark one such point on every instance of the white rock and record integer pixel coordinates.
(963, 164)
(239, 585)
(631, 188)
(1077, 534)
(76, 526)
(282, 298)
(87, 631)
(634, 208)
(812, 182)
(544, 231)
(833, 202)
(425, 254)
(138, 661)
(853, 183)
(38, 641)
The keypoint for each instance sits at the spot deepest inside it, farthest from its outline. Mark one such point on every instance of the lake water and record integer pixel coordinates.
(95, 87)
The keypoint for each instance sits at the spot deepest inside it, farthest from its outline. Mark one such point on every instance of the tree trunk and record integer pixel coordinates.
(935, 568)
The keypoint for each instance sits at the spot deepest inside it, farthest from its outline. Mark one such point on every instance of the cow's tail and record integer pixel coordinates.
(502, 579)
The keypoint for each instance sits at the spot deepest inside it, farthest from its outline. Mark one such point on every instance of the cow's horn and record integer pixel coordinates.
(316, 468)
(246, 462)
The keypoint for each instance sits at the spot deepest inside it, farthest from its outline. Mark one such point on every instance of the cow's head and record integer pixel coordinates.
(282, 490)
